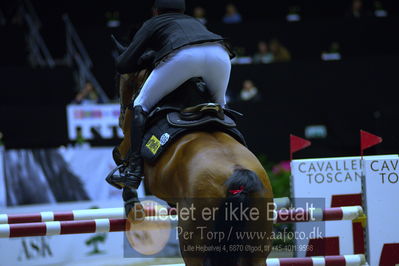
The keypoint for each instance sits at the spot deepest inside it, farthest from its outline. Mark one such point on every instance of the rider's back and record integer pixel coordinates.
(176, 30)
(164, 34)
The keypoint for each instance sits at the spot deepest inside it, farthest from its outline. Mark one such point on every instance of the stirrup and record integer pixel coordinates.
(122, 180)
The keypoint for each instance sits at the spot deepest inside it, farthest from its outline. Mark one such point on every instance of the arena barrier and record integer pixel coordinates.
(99, 220)
(345, 260)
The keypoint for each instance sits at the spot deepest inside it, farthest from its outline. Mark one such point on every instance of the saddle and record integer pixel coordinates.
(187, 109)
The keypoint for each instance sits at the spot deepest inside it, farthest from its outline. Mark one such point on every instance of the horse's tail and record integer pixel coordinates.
(241, 188)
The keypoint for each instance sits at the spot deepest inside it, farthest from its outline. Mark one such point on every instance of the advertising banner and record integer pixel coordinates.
(87, 120)
(381, 198)
(330, 182)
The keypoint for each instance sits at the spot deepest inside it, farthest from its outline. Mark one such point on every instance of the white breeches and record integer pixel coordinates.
(210, 61)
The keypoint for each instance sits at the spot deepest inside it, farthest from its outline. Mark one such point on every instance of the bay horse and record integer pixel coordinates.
(207, 165)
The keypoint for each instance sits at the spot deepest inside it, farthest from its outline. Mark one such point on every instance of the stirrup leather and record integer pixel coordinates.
(123, 179)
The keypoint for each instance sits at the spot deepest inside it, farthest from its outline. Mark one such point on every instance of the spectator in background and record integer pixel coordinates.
(199, 13)
(280, 53)
(379, 10)
(249, 92)
(1, 139)
(263, 55)
(2, 18)
(232, 16)
(112, 18)
(87, 95)
(357, 10)
(294, 14)
(241, 56)
(333, 53)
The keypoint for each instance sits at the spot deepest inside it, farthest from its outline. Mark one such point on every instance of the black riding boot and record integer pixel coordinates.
(130, 198)
(135, 162)
(131, 171)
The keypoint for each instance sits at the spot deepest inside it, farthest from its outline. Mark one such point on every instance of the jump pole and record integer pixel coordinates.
(282, 216)
(121, 224)
(82, 227)
(344, 260)
(89, 214)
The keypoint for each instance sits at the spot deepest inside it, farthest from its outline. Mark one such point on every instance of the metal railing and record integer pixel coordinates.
(77, 56)
(39, 55)
(32, 12)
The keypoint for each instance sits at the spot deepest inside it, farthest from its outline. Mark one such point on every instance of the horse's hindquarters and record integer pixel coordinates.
(227, 206)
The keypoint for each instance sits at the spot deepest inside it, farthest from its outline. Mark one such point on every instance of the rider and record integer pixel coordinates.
(184, 49)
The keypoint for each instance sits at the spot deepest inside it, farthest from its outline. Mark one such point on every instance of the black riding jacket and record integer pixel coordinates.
(164, 34)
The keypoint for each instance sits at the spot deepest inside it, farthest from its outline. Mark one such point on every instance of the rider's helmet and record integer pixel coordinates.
(170, 4)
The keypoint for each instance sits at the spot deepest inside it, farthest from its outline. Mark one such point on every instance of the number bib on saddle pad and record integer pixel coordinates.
(161, 134)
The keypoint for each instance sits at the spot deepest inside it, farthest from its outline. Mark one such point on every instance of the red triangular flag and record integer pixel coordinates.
(297, 143)
(368, 140)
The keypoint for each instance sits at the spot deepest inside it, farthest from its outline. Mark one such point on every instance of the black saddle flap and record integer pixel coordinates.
(175, 120)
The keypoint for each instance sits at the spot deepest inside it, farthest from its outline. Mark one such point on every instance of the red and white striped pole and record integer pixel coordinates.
(317, 214)
(83, 227)
(62, 228)
(344, 260)
(75, 215)
(281, 216)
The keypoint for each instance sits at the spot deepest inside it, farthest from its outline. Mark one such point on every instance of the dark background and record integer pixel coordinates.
(358, 92)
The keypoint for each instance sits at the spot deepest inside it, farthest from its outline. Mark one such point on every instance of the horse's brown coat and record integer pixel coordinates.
(196, 166)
